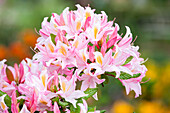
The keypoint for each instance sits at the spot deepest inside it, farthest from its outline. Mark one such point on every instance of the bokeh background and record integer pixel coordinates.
(149, 20)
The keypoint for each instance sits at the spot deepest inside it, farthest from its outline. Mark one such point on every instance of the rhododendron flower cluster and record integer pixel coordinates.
(76, 47)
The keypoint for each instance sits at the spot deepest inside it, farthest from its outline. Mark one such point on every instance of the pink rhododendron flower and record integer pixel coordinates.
(83, 107)
(24, 109)
(56, 108)
(74, 54)
(68, 90)
(14, 105)
(3, 106)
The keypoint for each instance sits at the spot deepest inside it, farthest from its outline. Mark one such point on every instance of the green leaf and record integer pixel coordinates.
(88, 61)
(2, 93)
(90, 92)
(63, 104)
(55, 88)
(21, 101)
(56, 99)
(91, 109)
(53, 38)
(109, 49)
(113, 54)
(125, 76)
(90, 44)
(128, 60)
(17, 93)
(73, 109)
(107, 39)
(7, 99)
(102, 111)
(50, 112)
(136, 75)
(111, 73)
(69, 68)
(80, 100)
(96, 49)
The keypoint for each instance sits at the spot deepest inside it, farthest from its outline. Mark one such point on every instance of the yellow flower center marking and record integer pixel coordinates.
(69, 87)
(43, 79)
(64, 86)
(133, 70)
(43, 102)
(3, 105)
(2, 66)
(29, 65)
(87, 14)
(78, 25)
(76, 43)
(55, 26)
(95, 32)
(84, 58)
(115, 55)
(99, 76)
(63, 50)
(58, 65)
(99, 59)
(4, 86)
(51, 47)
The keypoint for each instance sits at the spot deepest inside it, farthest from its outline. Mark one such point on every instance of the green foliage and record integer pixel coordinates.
(125, 76)
(63, 104)
(50, 112)
(73, 109)
(53, 38)
(60, 103)
(7, 99)
(107, 39)
(109, 49)
(128, 60)
(136, 75)
(88, 61)
(96, 49)
(90, 44)
(110, 73)
(91, 109)
(90, 92)
(56, 99)
(102, 111)
(55, 88)
(21, 102)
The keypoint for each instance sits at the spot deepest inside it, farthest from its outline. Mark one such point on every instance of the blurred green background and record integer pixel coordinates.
(149, 20)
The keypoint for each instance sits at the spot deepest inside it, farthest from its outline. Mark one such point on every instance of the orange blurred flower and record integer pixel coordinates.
(163, 82)
(19, 50)
(153, 71)
(3, 52)
(151, 107)
(165, 76)
(122, 107)
(28, 37)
